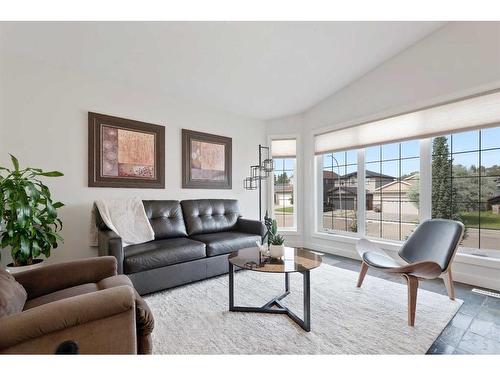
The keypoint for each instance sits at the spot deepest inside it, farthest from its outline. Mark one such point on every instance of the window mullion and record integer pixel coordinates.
(425, 189)
(361, 195)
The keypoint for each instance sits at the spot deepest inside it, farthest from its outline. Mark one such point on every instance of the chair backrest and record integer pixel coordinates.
(434, 240)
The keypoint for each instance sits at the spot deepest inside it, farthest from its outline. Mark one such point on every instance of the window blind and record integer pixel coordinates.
(283, 148)
(465, 114)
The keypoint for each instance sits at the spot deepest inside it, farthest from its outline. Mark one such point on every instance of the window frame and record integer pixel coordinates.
(425, 192)
(297, 206)
(425, 201)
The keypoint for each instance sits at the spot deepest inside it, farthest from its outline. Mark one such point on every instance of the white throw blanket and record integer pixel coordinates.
(125, 217)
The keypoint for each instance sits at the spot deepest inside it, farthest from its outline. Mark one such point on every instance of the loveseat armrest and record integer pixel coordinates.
(53, 277)
(251, 227)
(68, 314)
(111, 244)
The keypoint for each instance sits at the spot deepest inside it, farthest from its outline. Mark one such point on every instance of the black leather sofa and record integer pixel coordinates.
(193, 239)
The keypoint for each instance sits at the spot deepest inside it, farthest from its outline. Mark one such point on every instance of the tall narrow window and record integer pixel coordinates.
(340, 186)
(392, 189)
(285, 183)
(466, 184)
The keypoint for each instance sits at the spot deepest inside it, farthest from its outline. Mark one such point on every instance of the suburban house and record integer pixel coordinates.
(330, 180)
(393, 197)
(374, 180)
(345, 198)
(283, 194)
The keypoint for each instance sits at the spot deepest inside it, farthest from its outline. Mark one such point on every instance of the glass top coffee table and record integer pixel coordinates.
(293, 260)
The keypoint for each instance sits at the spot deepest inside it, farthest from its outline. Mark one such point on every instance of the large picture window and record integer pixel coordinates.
(392, 188)
(441, 161)
(466, 184)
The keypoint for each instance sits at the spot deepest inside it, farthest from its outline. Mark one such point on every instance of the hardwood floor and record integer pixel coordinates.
(475, 329)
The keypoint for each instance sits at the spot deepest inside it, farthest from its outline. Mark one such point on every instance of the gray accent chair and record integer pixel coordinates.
(427, 254)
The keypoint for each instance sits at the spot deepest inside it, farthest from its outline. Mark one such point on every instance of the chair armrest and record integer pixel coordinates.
(64, 314)
(363, 246)
(251, 227)
(53, 277)
(111, 244)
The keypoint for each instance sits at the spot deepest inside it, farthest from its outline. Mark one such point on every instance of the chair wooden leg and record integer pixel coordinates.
(412, 282)
(362, 273)
(448, 283)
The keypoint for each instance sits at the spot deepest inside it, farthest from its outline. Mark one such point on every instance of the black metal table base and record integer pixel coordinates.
(274, 306)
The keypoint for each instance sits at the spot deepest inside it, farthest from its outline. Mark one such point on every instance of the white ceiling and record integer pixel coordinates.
(258, 69)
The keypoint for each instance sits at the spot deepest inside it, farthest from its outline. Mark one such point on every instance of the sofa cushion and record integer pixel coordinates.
(161, 253)
(210, 215)
(226, 242)
(165, 218)
(108, 282)
(12, 295)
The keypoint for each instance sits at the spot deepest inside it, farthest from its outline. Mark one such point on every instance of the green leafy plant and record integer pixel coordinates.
(273, 231)
(28, 216)
(274, 238)
(278, 239)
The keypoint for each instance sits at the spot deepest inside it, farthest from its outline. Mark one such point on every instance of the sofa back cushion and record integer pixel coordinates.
(12, 295)
(165, 218)
(210, 215)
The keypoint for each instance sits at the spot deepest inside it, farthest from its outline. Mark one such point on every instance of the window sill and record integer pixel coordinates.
(353, 237)
(464, 255)
(288, 231)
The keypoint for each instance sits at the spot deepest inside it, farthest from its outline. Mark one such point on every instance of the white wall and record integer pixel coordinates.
(44, 112)
(460, 59)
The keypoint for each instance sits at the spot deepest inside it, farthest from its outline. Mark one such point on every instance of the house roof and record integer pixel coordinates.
(369, 173)
(391, 183)
(494, 200)
(413, 175)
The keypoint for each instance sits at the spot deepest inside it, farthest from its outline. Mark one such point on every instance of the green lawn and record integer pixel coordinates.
(488, 219)
(288, 210)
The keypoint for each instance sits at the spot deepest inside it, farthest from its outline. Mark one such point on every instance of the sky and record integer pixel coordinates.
(465, 146)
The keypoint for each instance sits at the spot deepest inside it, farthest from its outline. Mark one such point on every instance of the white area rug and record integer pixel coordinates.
(194, 319)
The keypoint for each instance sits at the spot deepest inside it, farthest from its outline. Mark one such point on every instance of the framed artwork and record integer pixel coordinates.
(206, 160)
(125, 153)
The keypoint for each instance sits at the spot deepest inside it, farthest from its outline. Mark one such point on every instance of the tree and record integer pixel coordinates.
(414, 194)
(282, 179)
(444, 192)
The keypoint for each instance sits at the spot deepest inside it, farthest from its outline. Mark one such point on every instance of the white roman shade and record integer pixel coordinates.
(465, 114)
(284, 148)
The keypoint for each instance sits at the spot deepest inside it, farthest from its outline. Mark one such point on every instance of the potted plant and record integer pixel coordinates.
(28, 216)
(275, 241)
(277, 249)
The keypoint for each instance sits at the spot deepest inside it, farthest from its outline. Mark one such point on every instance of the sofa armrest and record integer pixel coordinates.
(251, 227)
(66, 314)
(54, 277)
(111, 244)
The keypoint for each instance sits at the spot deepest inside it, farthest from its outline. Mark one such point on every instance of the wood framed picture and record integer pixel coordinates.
(206, 160)
(125, 153)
